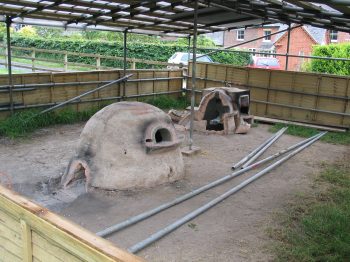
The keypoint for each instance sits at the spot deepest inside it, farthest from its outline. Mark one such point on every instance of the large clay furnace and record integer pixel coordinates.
(222, 110)
(127, 145)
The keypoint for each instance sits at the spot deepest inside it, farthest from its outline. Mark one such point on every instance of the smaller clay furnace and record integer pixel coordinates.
(127, 145)
(223, 110)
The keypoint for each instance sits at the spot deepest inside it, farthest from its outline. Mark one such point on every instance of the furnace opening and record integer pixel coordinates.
(162, 135)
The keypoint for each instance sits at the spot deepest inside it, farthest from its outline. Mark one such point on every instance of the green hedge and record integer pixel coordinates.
(328, 66)
(155, 51)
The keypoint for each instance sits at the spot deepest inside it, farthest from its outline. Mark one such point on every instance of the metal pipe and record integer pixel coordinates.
(261, 151)
(288, 45)
(124, 78)
(9, 60)
(194, 62)
(251, 154)
(124, 59)
(135, 219)
(161, 233)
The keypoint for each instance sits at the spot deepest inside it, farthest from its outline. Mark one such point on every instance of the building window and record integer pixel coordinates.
(240, 34)
(333, 35)
(267, 34)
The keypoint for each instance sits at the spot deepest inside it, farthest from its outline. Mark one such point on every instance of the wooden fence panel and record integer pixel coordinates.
(46, 95)
(29, 232)
(297, 96)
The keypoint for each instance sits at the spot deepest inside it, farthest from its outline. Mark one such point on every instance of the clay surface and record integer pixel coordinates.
(127, 145)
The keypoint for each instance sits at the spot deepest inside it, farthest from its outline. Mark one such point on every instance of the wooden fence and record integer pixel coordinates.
(48, 89)
(305, 97)
(29, 232)
(32, 58)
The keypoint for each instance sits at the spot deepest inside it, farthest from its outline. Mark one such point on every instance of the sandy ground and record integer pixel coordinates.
(234, 230)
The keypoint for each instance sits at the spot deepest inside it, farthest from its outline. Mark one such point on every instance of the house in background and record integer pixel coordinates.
(302, 39)
(265, 44)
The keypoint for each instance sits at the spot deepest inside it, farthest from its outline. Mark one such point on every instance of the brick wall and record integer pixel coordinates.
(300, 44)
(230, 38)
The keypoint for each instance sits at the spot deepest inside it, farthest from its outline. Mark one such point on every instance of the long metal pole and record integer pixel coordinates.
(260, 152)
(124, 78)
(124, 59)
(194, 62)
(251, 154)
(161, 233)
(9, 61)
(288, 45)
(135, 219)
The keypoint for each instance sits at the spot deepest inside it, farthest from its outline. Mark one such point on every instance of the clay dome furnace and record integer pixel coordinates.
(127, 145)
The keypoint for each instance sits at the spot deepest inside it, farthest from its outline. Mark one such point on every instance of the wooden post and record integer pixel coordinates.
(66, 61)
(26, 241)
(319, 79)
(33, 60)
(346, 102)
(133, 65)
(5, 55)
(98, 62)
(268, 92)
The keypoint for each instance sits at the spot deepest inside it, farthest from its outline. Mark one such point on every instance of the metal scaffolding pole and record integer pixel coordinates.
(124, 60)
(194, 61)
(9, 61)
(288, 45)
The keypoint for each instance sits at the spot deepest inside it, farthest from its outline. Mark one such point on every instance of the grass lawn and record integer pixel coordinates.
(316, 226)
(331, 137)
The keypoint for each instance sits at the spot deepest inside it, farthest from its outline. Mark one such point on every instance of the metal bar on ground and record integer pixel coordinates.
(194, 62)
(261, 151)
(168, 229)
(251, 154)
(124, 78)
(140, 217)
(9, 60)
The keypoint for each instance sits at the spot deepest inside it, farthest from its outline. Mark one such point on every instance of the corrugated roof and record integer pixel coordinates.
(173, 16)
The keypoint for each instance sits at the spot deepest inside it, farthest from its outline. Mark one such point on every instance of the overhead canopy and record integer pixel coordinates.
(174, 17)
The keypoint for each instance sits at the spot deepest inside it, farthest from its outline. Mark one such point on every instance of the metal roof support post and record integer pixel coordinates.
(288, 45)
(125, 33)
(194, 58)
(9, 61)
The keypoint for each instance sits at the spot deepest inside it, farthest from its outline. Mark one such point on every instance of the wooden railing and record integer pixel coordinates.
(32, 59)
(29, 232)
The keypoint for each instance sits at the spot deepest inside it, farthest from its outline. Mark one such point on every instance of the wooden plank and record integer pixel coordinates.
(52, 248)
(69, 236)
(7, 256)
(11, 247)
(26, 241)
(43, 255)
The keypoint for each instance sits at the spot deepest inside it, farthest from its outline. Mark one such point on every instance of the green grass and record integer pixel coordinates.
(167, 102)
(316, 227)
(21, 124)
(340, 138)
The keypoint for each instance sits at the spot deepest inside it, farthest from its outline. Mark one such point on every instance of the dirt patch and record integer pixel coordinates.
(234, 230)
